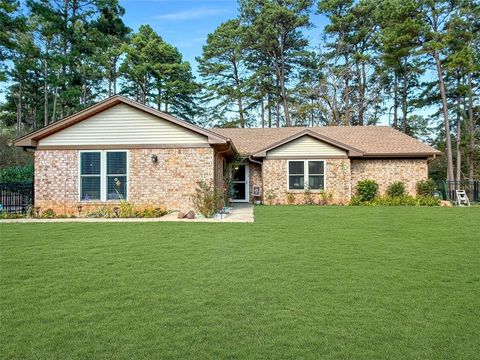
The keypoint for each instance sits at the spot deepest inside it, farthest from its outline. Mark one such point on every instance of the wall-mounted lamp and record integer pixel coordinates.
(154, 158)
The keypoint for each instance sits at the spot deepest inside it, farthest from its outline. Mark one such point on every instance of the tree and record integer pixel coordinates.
(274, 29)
(154, 73)
(435, 15)
(223, 68)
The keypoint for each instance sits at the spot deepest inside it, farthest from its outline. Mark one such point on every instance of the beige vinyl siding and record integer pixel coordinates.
(123, 125)
(306, 146)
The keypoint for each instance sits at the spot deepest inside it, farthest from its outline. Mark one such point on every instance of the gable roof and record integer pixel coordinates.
(30, 140)
(307, 132)
(364, 141)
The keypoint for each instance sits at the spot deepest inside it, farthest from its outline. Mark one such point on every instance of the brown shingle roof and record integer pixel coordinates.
(371, 140)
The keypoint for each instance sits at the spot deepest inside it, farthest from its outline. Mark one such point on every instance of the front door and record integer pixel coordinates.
(240, 183)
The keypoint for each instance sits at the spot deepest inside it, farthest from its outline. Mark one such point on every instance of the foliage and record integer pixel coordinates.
(48, 214)
(307, 197)
(402, 200)
(150, 212)
(396, 189)
(290, 198)
(125, 210)
(102, 212)
(270, 197)
(325, 197)
(207, 200)
(7, 215)
(367, 190)
(17, 173)
(426, 187)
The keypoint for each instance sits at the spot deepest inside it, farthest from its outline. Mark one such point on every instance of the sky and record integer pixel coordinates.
(186, 23)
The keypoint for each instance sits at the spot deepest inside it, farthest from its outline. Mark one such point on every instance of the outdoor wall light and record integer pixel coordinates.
(154, 158)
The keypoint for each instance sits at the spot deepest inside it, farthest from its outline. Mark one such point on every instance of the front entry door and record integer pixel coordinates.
(240, 183)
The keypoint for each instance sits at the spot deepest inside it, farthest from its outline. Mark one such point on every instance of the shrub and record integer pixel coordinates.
(48, 214)
(428, 201)
(270, 197)
(426, 187)
(396, 189)
(367, 190)
(150, 212)
(7, 215)
(102, 211)
(206, 199)
(325, 198)
(125, 210)
(17, 174)
(307, 197)
(290, 198)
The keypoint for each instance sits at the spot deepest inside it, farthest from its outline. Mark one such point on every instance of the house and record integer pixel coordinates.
(119, 148)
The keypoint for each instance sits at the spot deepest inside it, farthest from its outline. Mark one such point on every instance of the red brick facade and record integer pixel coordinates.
(169, 182)
(172, 179)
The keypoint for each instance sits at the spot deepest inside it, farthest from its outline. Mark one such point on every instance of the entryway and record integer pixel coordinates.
(240, 183)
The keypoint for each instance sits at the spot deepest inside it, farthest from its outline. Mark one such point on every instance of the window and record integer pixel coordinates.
(306, 174)
(90, 176)
(116, 175)
(103, 175)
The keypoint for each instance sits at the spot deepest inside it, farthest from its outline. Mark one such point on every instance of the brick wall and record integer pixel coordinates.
(337, 182)
(385, 172)
(255, 179)
(169, 182)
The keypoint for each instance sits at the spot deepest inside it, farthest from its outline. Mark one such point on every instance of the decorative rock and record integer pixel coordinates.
(445, 203)
(190, 215)
(180, 215)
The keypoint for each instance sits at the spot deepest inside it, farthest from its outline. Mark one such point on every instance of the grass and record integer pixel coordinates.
(299, 283)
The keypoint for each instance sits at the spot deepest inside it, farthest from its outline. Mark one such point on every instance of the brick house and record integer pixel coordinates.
(119, 148)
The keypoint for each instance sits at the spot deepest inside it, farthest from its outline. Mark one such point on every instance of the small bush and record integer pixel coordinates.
(325, 198)
(125, 210)
(150, 212)
(396, 189)
(206, 199)
(6, 215)
(426, 188)
(367, 190)
(428, 201)
(307, 197)
(48, 214)
(270, 197)
(102, 212)
(290, 198)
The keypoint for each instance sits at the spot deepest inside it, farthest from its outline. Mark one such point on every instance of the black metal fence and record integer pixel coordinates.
(16, 197)
(472, 189)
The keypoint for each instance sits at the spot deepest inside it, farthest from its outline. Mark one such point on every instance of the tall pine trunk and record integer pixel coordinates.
(19, 108)
(471, 128)
(395, 101)
(448, 140)
(404, 101)
(45, 92)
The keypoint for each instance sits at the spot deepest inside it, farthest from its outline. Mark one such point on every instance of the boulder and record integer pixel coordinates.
(180, 215)
(190, 215)
(445, 203)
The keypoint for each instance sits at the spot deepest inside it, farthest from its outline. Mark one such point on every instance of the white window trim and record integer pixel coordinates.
(306, 175)
(103, 175)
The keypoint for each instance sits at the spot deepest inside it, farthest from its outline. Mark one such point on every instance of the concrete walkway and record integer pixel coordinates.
(241, 213)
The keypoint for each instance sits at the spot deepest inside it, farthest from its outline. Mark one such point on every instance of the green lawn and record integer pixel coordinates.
(299, 283)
